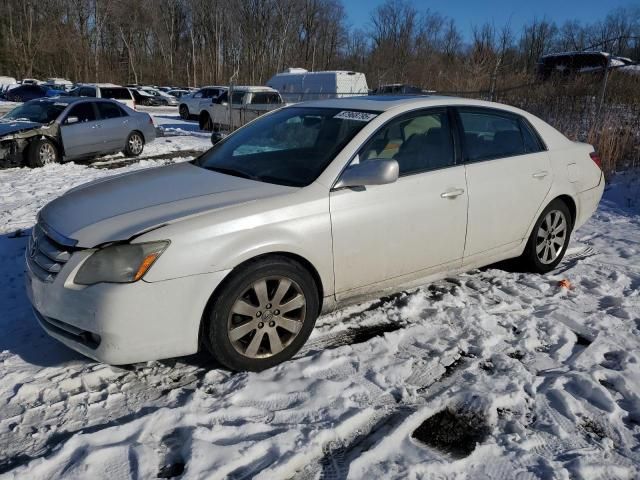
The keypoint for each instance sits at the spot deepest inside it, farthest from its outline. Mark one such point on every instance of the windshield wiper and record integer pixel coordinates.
(232, 172)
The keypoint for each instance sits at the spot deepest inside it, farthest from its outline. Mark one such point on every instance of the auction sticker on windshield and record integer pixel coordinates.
(359, 116)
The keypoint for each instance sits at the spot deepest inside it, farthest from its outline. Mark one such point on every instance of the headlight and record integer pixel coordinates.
(119, 263)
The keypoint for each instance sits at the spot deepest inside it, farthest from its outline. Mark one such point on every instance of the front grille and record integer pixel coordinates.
(45, 256)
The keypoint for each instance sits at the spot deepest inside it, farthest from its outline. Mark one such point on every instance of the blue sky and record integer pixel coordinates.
(469, 12)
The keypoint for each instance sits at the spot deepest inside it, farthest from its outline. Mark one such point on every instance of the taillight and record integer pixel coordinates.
(596, 159)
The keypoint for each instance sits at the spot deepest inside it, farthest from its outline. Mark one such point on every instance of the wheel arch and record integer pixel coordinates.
(571, 205)
(57, 143)
(306, 264)
(137, 130)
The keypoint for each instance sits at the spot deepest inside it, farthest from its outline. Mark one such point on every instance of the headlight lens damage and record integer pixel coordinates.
(120, 263)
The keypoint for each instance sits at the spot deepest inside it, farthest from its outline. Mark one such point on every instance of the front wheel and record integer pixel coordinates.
(135, 144)
(184, 112)
(42, 152)
(549, 238)
(263, 315)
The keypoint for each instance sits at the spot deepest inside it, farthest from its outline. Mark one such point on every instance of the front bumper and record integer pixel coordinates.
(123, 323)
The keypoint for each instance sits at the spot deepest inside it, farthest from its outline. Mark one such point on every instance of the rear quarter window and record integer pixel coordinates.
(115, 93)
(489, 134)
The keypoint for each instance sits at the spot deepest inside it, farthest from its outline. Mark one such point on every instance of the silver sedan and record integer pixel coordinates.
(61, 129)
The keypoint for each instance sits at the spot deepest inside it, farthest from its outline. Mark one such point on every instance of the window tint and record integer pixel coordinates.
(532, 143)
(265, 98)
(418, 142)
(109, 110)
(236, 98)
(87, 92)
(84, 111)
(117, 93)
(493, 135)
(198, 94)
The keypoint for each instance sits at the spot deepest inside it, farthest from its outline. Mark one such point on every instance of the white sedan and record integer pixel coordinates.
(302, 211)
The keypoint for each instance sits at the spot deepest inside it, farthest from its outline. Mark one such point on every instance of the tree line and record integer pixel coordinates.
(198, 42)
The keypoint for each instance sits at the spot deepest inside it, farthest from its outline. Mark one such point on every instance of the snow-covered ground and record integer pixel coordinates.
(492, 374)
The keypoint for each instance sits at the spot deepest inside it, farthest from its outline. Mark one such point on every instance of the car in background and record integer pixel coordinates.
(30, 81)
(312, 207)
(144, 98)
(247, 103)
(298, 84)
(105, 90)
(60, 84)
(53, 130)
(401, 89)
(178, 93)
(191, 105)
(25, 92)
(568, 64)
(162, 97)
(6, 81)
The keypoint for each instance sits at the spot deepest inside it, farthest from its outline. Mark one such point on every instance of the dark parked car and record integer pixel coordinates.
(144, 98)
(51, 130)
(24, 93)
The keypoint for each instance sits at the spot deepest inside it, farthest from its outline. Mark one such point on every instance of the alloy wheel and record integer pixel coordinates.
(47, 154)
(551, 237)
(266, 317)
(135, 144)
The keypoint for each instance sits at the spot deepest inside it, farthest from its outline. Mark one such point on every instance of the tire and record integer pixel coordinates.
(184, 112)
(42, 152)
(250, 305)
(544, 250)
(205, 122)
(134, 145)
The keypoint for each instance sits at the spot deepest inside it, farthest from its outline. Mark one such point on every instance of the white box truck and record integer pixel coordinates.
(298, 84)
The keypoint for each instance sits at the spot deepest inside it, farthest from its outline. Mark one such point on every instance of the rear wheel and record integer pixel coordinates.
(263, 315)
(42, 152)
(205, 122)
(135, 144)
(549, 238)
(184, 112)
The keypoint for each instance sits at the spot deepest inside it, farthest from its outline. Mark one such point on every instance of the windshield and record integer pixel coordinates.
(291, 146)
(40, 112)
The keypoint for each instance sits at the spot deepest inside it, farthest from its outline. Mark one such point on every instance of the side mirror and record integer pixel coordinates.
(370, 172)
(71, 120)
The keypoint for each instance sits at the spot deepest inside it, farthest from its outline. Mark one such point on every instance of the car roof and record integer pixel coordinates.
(252, 88)
(70, 100)
(106, 85)
(382, 103)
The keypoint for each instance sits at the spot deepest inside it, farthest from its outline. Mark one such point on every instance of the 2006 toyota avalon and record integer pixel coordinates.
(303, 210)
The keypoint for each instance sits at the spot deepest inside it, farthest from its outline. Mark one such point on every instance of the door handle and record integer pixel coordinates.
(456, 192)
(540, 174)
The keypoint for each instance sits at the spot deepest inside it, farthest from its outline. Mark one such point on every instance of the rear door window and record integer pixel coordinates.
(87, 92)
(109, 110)
(265, 98)
(489, 134)
(236, 98)
(115, 93)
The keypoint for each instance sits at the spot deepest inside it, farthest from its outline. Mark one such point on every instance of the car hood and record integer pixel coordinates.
(15, 126)
(118, 208)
